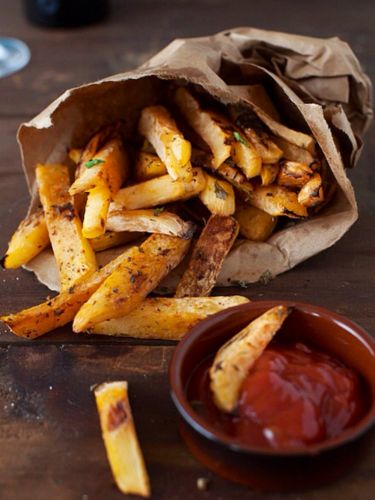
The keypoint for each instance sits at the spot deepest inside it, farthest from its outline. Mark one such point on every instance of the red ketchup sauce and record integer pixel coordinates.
(293, 396)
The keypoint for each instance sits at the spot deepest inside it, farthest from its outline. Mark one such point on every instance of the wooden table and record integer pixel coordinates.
(50, 444)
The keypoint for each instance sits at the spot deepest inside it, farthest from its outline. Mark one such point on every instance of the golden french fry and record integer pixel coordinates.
(150, 221)
(159, 128)
(246, 156)
(111, 239)
(294, 153)
(158, 191)
(293, 174)
(149, 166)
(255, 224)
(42, 318)
(165, 318)
(266, 148)
(120, 438)
(208, 256)
(132, 281)
(234, 359)
(218, 196)
(312, 193)
(29, 239)
(74, 256)
(269, 173)
(97, 205)
(234, 176)
(277, 200)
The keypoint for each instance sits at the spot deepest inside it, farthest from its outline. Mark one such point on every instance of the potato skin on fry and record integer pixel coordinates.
(208, 256)
(120, 438)
(132, 281)
(312, 193)
(293, 175)
(234, 359)
(165, 318)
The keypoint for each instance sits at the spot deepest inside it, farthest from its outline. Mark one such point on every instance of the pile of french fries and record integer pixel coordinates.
(193, 178)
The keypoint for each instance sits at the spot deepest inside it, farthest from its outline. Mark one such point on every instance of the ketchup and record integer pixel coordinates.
(293, 396)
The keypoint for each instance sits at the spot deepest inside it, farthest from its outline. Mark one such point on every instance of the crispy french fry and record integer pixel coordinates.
(246, 156)
(166, 318)
(255, 224)
(215, 130)
(74, 256)
(218, 196)
(42, 318)
(132, 281)
(150, 221)
(277, 200)
(29, 239)
(293, 174)
(234, 176)
(120, 439)
(158, 191)
(234, 359)
(294, 153)
(97, 205)
(312, 193)
(269, 173)
(208, 256)
(266, 148)
(149, 166)
(159, 128)
(111, 239)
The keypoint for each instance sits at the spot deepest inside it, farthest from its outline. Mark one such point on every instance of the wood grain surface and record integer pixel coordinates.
(50, 445)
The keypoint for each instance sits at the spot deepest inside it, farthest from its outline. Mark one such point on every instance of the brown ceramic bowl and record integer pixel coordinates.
(264, 468)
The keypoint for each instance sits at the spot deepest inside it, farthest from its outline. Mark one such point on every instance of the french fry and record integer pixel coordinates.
(42, 318)
(214, 129)
(29, 239)
(158, 191)
(234, 176)
(149, 166)
(234, 359)
(150, 221)
(120, 438)
(266, 148)
(74, 256)
(312, 193)
(255, 224)
(277, 200)
(111, 239)
(159, 128)
(165, 318)
(246, 156)
(208, 256)
(132, 281)
(293, 175)
(96, 210)
(269, 173)
(218, 196)
(294, 153)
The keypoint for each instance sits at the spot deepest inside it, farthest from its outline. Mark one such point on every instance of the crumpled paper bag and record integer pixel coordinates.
(316, 85)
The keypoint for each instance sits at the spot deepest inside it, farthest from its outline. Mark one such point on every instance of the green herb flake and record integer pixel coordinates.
(158, 210)
(239, 138)
(220, 192)
(93, 162)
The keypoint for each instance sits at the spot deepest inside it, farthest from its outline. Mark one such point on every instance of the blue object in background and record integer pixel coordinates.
(14, 55)
(65, 13)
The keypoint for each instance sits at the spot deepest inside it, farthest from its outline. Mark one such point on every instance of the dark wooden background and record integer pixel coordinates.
(50, 445)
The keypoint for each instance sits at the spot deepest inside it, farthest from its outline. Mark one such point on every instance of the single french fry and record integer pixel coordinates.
(132, 281)
(158, 191)
(95, 217)
(149, 166)
(150, 221)
(42, 318)
(234, 359)
(74, 256)
(165, 318)
(294, 153)
(234, 176)
(266, 148)
(120, 439)
(269, 173)
(214, 129)
(277, 200)
(293, 175)
(218, 196)
(255, 224)
(111, 239)
(246, 156)
(159, 128)
(312, 193)
(208, 256)
(29, 239)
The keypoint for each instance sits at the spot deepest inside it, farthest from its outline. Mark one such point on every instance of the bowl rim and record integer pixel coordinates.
(200, 425)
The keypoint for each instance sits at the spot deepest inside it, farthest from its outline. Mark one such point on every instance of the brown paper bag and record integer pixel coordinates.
(317, 85)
